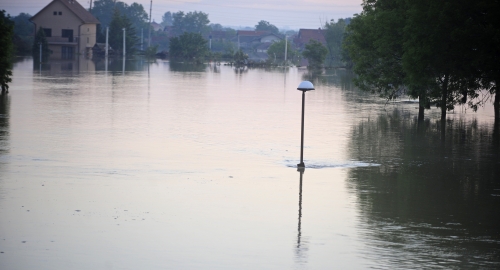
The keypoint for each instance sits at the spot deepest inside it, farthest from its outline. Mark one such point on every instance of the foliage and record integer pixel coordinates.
(191, 22)
(334, 35)
(7, 30)
(266, 26)
(23, 33)
(151, 51)
(315, 53)
(104, 11)
(278, 49)
(240, 58)
(374, 42)
(116, 33)
(167, 19)
(189, 46)
(40, 39)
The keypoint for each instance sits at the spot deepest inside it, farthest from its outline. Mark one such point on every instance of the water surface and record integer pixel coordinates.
(162, 165)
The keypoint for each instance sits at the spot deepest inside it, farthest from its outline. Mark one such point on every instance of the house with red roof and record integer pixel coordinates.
(306, 35)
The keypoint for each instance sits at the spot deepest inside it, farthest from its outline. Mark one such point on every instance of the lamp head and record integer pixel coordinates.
(305, 86)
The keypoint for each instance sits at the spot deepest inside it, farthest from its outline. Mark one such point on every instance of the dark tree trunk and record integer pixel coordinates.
(421, 108)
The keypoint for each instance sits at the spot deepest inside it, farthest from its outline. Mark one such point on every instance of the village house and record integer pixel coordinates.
(305, 35)
(70, 29)
(249, 39)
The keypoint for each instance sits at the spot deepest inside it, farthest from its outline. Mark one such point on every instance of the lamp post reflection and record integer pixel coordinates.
(301, 246)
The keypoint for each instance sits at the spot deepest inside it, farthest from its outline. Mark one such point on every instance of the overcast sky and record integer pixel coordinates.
(292, 14)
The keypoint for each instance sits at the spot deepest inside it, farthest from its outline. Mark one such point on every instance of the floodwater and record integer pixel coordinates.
(173, 166)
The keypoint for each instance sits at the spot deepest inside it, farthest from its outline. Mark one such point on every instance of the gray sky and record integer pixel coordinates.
(293, 14)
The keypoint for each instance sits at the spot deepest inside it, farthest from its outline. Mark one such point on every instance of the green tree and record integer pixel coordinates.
(278, 49)
(23, 33)
(439, 58)
(266, 26)
(40, 39)
(334, 35)
(7, 30)
(116, 33)
(167, 19)
(374, 43)
(240, 58)
(191, 22)
(189, 46)
(315, 53)
(103, 11)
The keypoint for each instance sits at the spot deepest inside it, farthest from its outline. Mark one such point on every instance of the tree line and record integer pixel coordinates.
(442, 52)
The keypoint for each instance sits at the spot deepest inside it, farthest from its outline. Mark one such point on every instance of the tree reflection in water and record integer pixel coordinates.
(430, 203)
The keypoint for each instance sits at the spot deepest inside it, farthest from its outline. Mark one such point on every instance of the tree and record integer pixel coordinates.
(23, 33)
(374, 43)
(138, 17)
(40, 39)
(189, 46)
(167, 19)
(116, 33)
(103, 11)
(438, 58)
(240, 58)
(315, 53)
(7, 30)
(278, 49)
(266, 26)
(191, 22)
(334, 35)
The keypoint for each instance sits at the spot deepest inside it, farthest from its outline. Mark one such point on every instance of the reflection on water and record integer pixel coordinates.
(428, 203)
(157, 165)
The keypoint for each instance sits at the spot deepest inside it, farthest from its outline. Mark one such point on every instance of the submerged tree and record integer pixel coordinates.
(189, 46)
(191, 22)
(334, 35)
(278, 49)
(7, 30)
(118, 23)
(315, 53)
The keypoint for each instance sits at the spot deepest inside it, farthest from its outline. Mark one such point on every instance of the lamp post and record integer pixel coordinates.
(124, 42)
(304, 87)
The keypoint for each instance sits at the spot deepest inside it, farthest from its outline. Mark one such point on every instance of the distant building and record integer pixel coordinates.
(70, 29)
(305, 35)
(250, 39)
(156, 26)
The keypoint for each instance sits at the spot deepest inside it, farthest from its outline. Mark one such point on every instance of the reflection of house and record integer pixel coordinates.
(70, 29)
(305, 35)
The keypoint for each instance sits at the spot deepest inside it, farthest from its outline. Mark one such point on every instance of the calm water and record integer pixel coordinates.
(170, 166)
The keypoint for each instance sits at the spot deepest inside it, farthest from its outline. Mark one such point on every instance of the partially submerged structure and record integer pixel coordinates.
(69, 28)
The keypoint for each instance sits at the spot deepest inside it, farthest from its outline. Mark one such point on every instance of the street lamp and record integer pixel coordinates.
(303, 86)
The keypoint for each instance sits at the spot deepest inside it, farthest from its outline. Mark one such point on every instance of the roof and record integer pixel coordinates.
(76, 8)
(305, 35)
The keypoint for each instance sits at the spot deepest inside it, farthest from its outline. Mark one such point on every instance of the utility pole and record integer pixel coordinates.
(124, 49)
(90, 9)
(286, 47)
(107, 35)
(142, 38)
(150, 10)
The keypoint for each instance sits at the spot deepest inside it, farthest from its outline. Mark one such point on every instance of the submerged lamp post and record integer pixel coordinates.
(303, 86)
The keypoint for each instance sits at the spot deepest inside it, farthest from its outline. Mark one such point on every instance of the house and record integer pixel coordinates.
(156, 26)
(70, 29)
(305, 35)
(249, 39)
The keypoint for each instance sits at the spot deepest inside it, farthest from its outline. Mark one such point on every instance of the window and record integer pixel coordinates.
(67, 33)
(47, 32)
(55, 12)
(60, 13)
